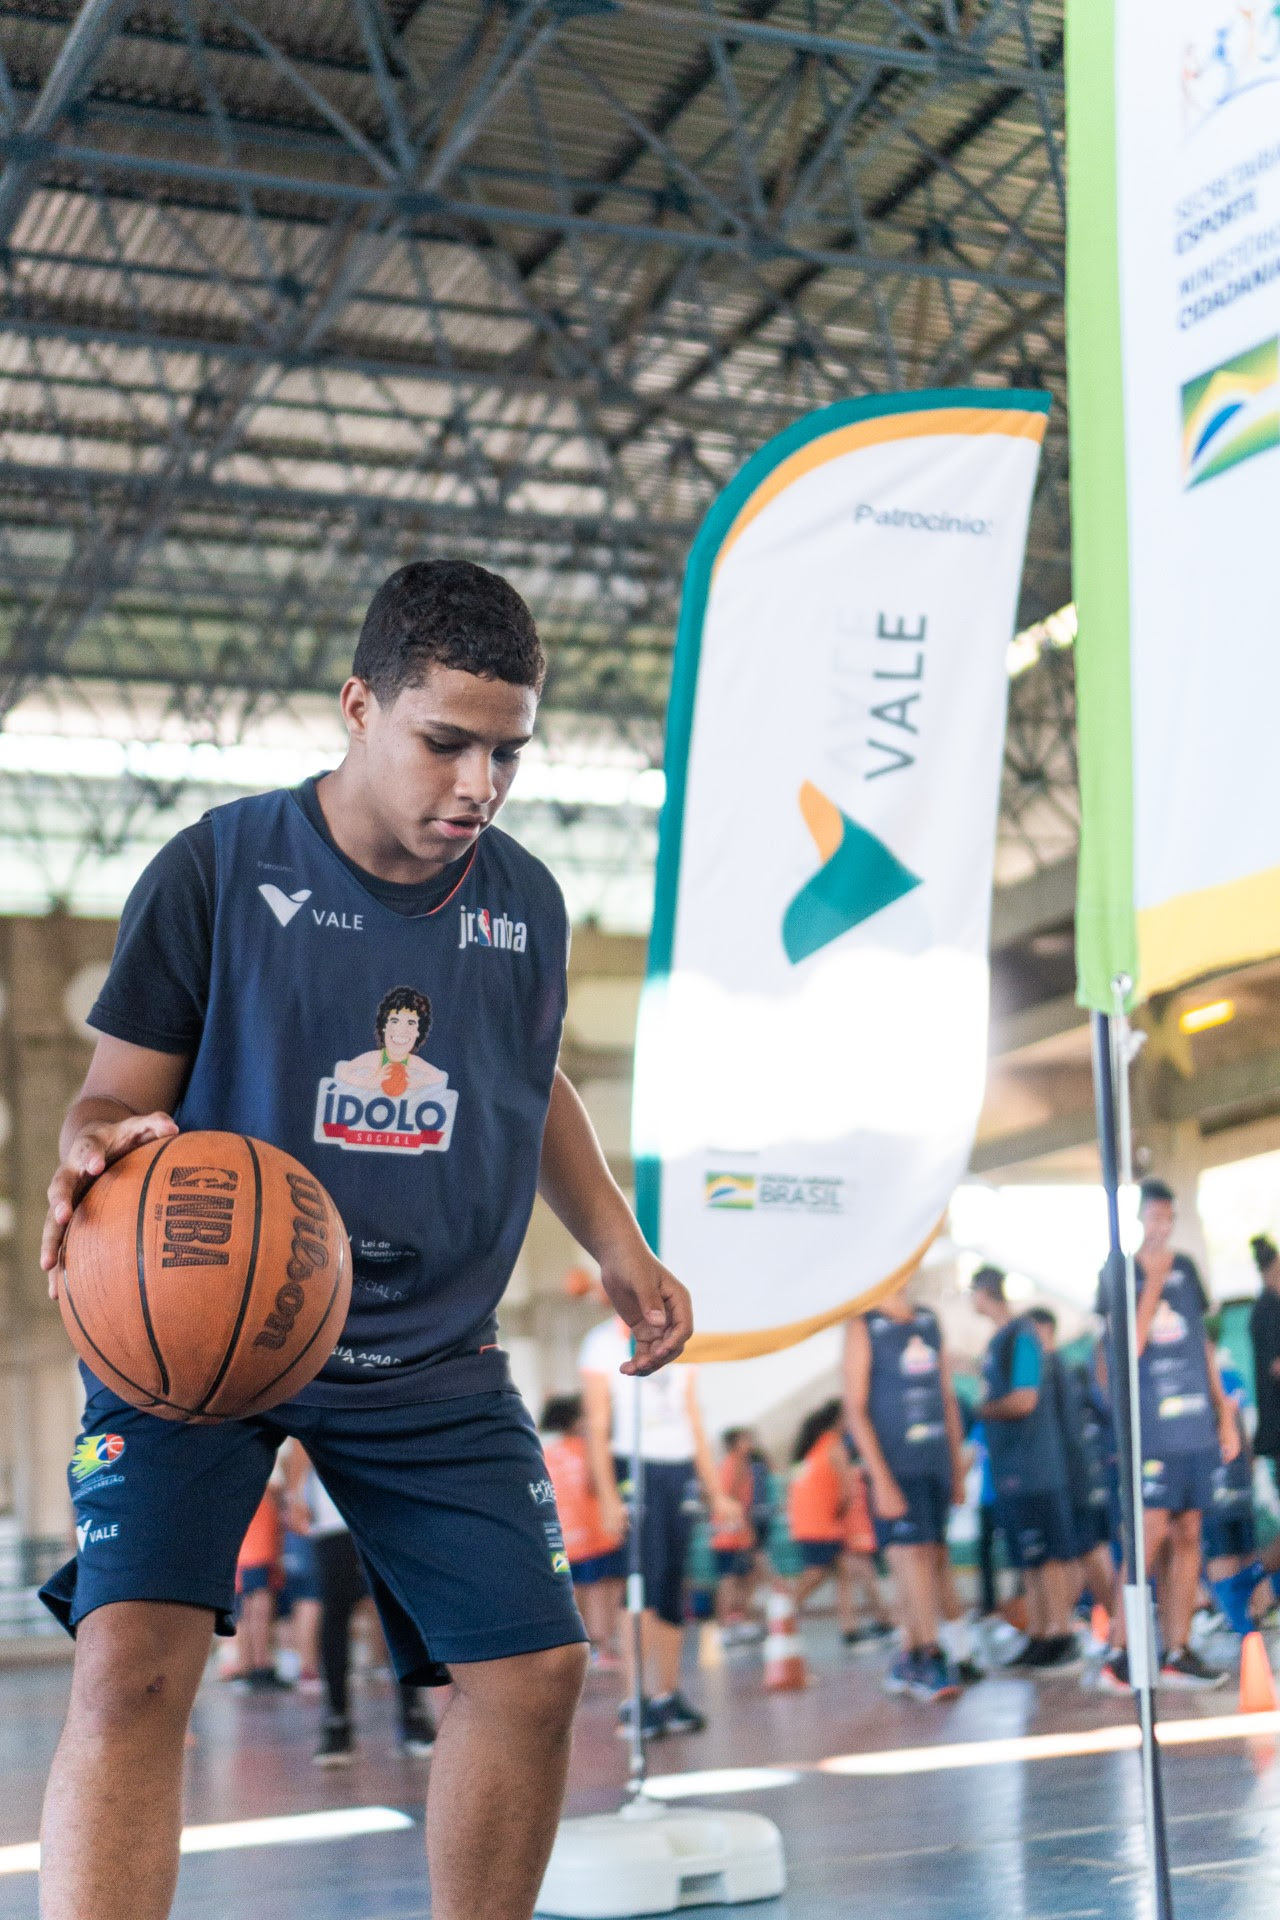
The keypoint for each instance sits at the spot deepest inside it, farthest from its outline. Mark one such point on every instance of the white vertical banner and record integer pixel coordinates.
(812, 1042)
(1174, 345)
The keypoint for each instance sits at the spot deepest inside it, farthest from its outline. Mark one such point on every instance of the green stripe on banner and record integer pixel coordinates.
(684, 673)
(1106, 930)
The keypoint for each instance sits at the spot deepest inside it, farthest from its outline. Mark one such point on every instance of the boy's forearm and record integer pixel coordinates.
(574, 1177)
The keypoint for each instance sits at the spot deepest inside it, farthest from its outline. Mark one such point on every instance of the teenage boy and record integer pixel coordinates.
(1188, 1430)
(1028, 1460)
(261, 947)
(1087, 1490)
(902, 1413)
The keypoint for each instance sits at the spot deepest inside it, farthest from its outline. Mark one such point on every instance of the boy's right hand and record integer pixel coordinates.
(889, 1501)
(613, 1515)
(91, 1152)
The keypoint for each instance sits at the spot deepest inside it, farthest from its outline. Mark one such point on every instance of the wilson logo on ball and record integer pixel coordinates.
(308, 1253)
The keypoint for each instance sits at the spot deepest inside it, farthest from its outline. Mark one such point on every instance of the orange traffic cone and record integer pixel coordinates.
(1100, 1625)
(785, 1667)
(1257, 1682)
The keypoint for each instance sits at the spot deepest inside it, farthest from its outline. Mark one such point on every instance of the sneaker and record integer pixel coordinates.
(677, 1716)
(932, 1678)
(1027, 1658)
(336, 1745)
(417, 1735)
(1059, 1656)
(1187, 1669)
(899, 1677)
(652, 1724)
(1113, 1674)
(267, 1680)
(968, 1672)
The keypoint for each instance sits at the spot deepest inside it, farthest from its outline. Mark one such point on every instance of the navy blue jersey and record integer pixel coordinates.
(407, 1060)
(1027, 1455)
(905, 1404)
(1173, 1368)
(1084, 1441)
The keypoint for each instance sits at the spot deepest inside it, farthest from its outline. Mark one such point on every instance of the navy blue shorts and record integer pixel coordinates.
(1181, 1483)
(1229, 1536)
(1037, 1528)
(298, 1559)
(924, 1524)
(601, 1566)
(254, 1580)
(666, 1528)
(448, 1502)
(1091, 1527)
(819, 1553)
(733, 1562)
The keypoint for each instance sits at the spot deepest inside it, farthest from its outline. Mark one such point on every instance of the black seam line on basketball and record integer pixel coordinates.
(156, 1399)
(142, 1273)
(304, 1351)
(247, 1289)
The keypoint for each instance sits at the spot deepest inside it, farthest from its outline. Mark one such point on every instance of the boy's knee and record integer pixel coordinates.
(137, 1669)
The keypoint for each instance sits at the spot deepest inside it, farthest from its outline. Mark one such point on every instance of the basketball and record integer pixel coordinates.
(205, 1277)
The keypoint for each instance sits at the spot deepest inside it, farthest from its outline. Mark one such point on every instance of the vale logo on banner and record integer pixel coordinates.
(858, 877)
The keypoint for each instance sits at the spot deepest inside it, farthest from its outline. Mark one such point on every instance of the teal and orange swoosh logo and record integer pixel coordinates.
(858, 877)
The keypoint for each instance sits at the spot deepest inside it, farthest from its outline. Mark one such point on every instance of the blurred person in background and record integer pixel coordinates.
(597, 1556)
(1083, 1444)
(1187, 1428)
(906, 1425)
(735, 1544)
(823, 1490)
(343, 1585)
(259, 1578)
(677, 1461)
(1264, 1333)
(1242, 1580)
(1028, 1458)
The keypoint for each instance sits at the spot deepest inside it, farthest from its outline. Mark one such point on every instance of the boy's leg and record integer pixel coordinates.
(914, 1584)
(113, 1809)
(497, 1781)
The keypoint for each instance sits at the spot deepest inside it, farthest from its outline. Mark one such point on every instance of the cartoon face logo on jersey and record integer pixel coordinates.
(1168, 1326)
(918, 1358)
(390, 1099)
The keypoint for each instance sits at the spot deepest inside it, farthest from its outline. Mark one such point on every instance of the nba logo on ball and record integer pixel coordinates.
(93, 1453)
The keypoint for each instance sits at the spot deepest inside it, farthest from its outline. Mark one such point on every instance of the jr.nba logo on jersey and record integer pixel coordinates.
(389, 1100)
(477, 927)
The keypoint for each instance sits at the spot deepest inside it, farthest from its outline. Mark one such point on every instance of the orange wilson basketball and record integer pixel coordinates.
(205, 1277)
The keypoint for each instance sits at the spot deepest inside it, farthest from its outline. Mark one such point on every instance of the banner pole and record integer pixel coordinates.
(635, 1601)
(1111, 1053)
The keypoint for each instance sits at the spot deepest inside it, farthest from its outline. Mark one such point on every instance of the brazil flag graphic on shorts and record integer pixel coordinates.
(858, 877)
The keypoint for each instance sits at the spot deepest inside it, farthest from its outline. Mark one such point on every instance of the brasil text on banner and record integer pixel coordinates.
(1173, 336)
(812, 1039)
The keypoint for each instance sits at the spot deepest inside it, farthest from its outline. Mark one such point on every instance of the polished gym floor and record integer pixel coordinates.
(909, 1831)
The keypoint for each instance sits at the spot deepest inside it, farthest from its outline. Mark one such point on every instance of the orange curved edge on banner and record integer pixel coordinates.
(1014, 423)
(750, 1346)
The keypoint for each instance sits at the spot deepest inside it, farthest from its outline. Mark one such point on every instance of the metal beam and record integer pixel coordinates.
(77, 57)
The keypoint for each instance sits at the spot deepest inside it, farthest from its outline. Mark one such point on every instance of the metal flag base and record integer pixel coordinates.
(646, 1859)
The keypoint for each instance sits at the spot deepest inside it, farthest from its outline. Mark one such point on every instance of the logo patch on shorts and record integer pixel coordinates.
(559, 1561)
(542, 1493)
(94, 1452)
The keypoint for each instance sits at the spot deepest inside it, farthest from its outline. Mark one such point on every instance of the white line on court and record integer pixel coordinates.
(337, 1823)
(967, 1753)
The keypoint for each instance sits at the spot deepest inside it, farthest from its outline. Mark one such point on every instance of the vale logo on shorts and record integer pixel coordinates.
(389, 1099)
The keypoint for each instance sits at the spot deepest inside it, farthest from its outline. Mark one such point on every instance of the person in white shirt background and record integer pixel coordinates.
(677, 1460)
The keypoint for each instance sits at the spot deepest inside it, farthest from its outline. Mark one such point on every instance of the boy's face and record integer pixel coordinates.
(1157, 1218)
(439, 761)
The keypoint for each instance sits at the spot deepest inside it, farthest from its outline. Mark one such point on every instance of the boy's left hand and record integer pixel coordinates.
(651, 1301)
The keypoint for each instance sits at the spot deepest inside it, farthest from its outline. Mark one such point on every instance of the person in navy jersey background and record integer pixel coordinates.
(1188, 1431)
(282, 969)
